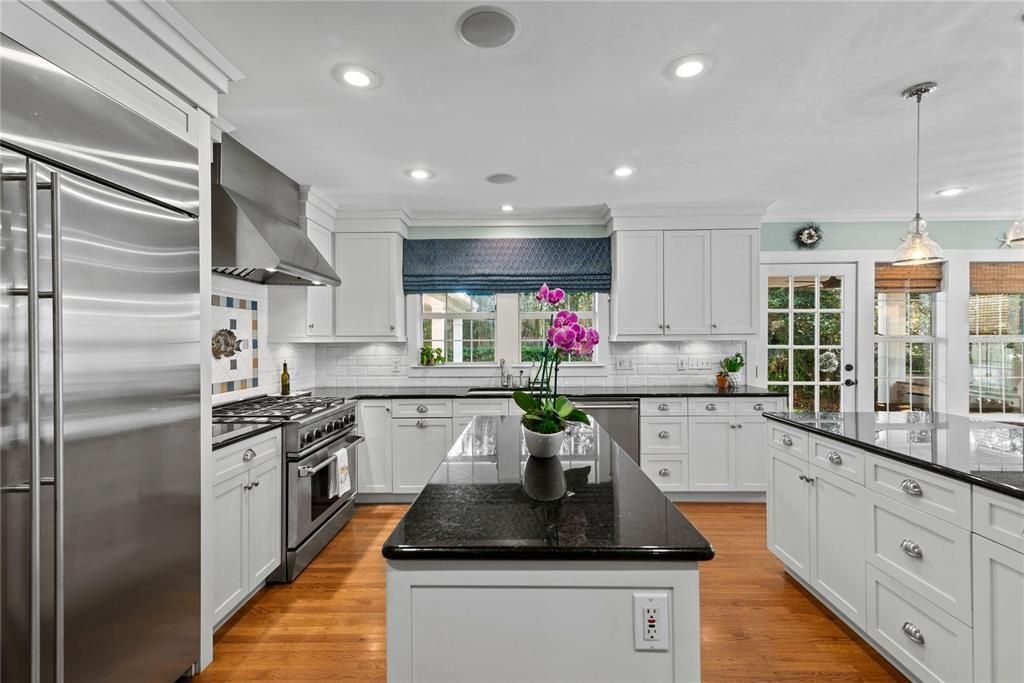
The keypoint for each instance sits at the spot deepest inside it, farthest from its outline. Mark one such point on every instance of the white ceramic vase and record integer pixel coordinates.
(543, 445)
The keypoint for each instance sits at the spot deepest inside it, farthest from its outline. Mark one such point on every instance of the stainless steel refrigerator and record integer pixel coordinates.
(99, 385)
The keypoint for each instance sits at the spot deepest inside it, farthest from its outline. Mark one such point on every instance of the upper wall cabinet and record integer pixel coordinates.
(369, 305)
(672, 283)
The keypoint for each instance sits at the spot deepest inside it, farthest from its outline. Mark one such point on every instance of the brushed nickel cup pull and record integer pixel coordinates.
(664, 471)
(663, 434)
(835, 458)
(913, 632)
(422, 408)
(911, 548)
(256, 483)
(421, 423)
(711, 407)
(911, 488)
(758, 406)
(787, 440)
(662, 406)
(248, 455)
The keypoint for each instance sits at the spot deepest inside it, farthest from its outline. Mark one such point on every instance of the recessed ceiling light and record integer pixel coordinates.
(951, 191)
(356, 76)
(501, 178)
(623, 171)
(487, 26)
(690, 66)
(420, 173)
(507, 208)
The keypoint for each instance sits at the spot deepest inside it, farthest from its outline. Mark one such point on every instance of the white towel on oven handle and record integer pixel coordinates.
(341, 476)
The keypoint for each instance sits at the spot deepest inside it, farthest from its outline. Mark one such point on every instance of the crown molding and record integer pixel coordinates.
(889, 216)
(687, 216)
(372, 220)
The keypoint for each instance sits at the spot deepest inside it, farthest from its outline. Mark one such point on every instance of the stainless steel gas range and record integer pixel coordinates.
(317, 434)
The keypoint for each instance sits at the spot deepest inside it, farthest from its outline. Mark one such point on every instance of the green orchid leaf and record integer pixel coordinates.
(563, 406)
(578, 415)
(527, 402)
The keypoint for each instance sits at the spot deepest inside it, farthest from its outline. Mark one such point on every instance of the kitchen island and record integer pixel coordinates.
(510, 568)
(910, 527)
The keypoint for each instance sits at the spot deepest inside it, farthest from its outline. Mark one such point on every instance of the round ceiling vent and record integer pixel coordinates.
(487, 26)
(501, 178)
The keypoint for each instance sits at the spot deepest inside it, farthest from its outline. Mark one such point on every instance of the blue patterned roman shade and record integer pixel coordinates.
(507, 265)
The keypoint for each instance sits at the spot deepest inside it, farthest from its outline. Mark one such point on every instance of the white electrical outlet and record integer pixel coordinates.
(396, 365)
(623, 363)
(705, 364)
(652, 627)
(683, 363)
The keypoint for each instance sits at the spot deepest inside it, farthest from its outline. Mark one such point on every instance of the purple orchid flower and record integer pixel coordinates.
(555, 296)
(593, 337)
(542, 293)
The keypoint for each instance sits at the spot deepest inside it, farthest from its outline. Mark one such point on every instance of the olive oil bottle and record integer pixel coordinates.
(286, 381)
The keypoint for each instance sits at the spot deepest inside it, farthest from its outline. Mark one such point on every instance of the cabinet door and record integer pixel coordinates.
(998, 612)
(637, 303)
(735, 264)
(789, 511)
(837, 554)
(320, 300)
(419, 447)
(687, 284)
(368, 300)
(711, 440)
(374, 459)
(750, 454)
(229, 541)
(264, 502)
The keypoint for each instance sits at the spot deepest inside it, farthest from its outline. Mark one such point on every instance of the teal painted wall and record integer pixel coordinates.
(886, 234)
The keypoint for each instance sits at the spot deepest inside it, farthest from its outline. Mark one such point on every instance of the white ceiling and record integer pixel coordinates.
(802, 107)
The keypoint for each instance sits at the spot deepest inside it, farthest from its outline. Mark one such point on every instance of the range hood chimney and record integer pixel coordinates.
(256, 233)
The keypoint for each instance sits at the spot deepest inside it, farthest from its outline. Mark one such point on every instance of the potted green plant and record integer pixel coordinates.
(545, 413)
(731, 366)
(431, 356)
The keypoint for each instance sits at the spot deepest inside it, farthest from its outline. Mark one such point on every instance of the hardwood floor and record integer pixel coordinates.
(756, 623)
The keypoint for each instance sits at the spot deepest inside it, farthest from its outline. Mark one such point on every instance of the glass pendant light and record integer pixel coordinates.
(917, 246)
(1015, 237)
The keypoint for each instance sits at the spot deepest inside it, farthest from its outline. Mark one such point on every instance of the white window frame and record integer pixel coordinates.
(990, 339)
(460, 317)
(908, 339)
(544, 315)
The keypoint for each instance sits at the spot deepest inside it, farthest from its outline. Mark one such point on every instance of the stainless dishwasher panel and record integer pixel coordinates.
(620, 418)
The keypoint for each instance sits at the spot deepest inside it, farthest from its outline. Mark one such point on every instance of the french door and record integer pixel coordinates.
(809, 333)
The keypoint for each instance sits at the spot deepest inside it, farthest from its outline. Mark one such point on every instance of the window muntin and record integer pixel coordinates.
(904, 350)
(463, 325)
(996, 324)
(534, 318)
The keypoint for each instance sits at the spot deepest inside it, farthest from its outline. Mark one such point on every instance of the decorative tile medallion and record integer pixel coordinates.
(235, 344)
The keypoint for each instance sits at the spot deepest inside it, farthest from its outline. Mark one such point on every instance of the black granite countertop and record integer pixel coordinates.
(225, 434)
(489, 500)
(982, 452)
(572, 392)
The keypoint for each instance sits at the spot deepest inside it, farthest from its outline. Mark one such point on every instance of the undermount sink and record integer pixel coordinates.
(490, 391)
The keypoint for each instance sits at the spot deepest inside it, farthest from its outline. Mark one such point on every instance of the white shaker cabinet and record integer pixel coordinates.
(375, 455)
(638, 292)
(264, 501)
(229, 531)
(711, 446)
(687, 256)
(419, 447)
(304, 313)
(369, 304)
(750, 456)
(789, 512)
(837, 555)
(998, 612)
(319, 300)
(734, 273)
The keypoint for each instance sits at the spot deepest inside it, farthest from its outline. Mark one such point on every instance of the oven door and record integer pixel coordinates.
(310, 502)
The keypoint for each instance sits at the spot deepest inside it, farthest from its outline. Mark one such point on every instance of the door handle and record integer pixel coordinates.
(422, 409)
(248, 455)
(662, 406)
(913, 632)
(758, 406)
(787, 440)
(850, 382)
(664, 472)
(911, 488)
(911, 548)
(422, 424)
(663, 434)
(835, 458)
(711, 407)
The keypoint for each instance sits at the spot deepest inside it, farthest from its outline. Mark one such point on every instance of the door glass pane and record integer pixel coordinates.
(804, 329)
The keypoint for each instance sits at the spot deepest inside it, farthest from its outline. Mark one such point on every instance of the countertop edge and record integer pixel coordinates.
(899, 457)
(625, 394)
(542, 553)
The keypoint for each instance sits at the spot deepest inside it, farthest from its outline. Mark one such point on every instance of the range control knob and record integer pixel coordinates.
(338, 424)
(317, 433)
(328, 427)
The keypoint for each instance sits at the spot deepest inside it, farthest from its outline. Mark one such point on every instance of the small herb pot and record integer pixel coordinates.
(543, 445)
(723, 381)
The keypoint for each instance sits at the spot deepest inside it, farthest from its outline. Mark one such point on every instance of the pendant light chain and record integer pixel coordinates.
(917, 187)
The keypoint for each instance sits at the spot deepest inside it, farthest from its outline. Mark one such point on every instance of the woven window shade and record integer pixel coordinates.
(997, 278)
(924, 278)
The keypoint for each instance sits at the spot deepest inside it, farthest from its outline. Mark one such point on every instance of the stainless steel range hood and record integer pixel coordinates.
(260, 240)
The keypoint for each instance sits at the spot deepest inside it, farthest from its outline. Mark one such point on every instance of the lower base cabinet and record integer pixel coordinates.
(789, 512)
(245, 531)
(375, 454)
(836, 553)
(998, 611)
(419, 445)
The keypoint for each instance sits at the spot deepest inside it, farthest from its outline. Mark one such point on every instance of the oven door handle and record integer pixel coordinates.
(305, 471)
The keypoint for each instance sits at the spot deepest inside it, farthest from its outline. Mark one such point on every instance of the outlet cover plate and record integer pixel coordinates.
(624, 363)
(652, 622)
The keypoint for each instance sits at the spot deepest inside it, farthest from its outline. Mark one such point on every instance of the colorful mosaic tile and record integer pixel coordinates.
(236, 368)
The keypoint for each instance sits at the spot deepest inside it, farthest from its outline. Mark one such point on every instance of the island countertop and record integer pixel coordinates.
(489, 500)
(982, 452)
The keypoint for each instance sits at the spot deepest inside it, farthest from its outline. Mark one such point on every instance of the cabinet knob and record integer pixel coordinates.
(663, 434)
(662, 406)
(311, 326)
(714, 324)
(758, 406)
(787, 440)
(664, 472)
(247, 486)
(391, 327)
(660, 326)
(711, 407)
(422, 409)
(668, 327)
(913, 632)
(421, 423)
(248, 455)
(809, 480)
(835, 458)
(256, 483)
(911, 548)
(911, 488)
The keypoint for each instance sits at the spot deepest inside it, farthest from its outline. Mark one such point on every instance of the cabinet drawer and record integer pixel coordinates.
(787, 439)
(662, 406)
(469, 407)
(230, 460)
(663, 435)
(931, 644)
(668, 473)
(935, 494)
(931, 556)
(833, 456)
(999, 518)
(710, 406)
(756, 406)
(421, 408)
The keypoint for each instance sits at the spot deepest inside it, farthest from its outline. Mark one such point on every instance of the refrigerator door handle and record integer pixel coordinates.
(56, 260)
(35, 532)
